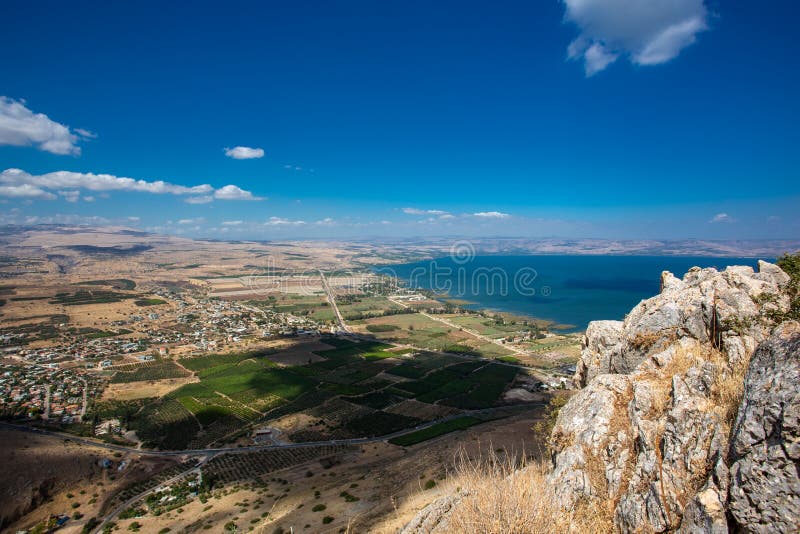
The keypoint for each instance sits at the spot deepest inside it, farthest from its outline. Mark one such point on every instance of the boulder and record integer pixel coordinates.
(765, 447)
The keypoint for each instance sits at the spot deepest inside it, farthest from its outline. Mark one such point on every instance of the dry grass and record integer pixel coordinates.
(728, 388)
(661, 380)
(645, 340)
(505, 495)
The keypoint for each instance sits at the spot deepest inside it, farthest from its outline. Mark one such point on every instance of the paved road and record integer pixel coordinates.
(332, 301)
(252, 448)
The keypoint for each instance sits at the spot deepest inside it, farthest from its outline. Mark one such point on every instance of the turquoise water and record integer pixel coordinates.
(569, 290)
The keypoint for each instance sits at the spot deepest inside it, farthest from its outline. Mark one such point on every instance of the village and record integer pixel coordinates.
(52, 381)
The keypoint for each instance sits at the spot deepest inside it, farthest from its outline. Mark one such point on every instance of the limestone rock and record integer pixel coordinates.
(647, 431)
(725, 308)
(765, 474)
(602, 339)
(590, 432)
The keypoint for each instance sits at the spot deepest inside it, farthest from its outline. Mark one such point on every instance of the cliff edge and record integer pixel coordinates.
(687, 416)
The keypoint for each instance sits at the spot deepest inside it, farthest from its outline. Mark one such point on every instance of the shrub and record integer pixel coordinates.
(318, 508)
(327, 519)
(790, 263)
(430, 484)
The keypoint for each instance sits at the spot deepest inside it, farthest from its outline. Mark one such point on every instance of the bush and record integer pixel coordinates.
(327, 519)
(430, 484)
(790, 263)
(318, 508)
(90, 525)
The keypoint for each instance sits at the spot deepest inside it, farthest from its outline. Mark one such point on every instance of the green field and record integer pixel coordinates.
(154, 370)
(116, 283)
(347, 392)
(89, 297)
(420, 331)
(440, 429)
(149, 302)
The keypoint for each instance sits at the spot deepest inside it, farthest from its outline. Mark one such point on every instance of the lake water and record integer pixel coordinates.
(569, 290)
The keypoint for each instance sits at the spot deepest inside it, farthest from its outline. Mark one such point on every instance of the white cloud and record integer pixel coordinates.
(68, 181)
(232, 192)
(280, 221)
(25, 191)
(85, 133)
(721, 218)
(204, 199)
(88, 199)
(415, 211)
(491, 215)
(19, 126)
(70, 196)
(232, 223)
(71, 218)
(646, 32)
(195, 220)
(244, 152)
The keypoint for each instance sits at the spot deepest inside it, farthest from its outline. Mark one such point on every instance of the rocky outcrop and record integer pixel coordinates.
(720, 308)
(600, 343)
(649, 431)
(765, 448)
(688, 419)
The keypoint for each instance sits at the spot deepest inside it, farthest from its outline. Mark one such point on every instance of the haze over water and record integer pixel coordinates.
(569, 290)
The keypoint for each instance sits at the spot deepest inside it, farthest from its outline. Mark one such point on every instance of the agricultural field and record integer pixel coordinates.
(356, 307)
(147, 371)
(486, 326)
(80, 297)
(229, 468)
(117, 283)
(350, 389)
(435, 431)
(420, 331)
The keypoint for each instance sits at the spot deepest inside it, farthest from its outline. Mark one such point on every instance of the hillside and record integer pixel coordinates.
(687, 419)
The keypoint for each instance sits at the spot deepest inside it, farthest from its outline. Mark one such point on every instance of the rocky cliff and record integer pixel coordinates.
(687, 416)
(677, 425)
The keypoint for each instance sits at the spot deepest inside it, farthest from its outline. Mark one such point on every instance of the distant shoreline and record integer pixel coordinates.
(565, 291)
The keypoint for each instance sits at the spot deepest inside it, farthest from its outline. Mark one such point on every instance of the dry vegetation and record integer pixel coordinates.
(502, 494)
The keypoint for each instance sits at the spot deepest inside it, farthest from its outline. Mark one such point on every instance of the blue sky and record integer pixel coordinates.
(590, 118)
